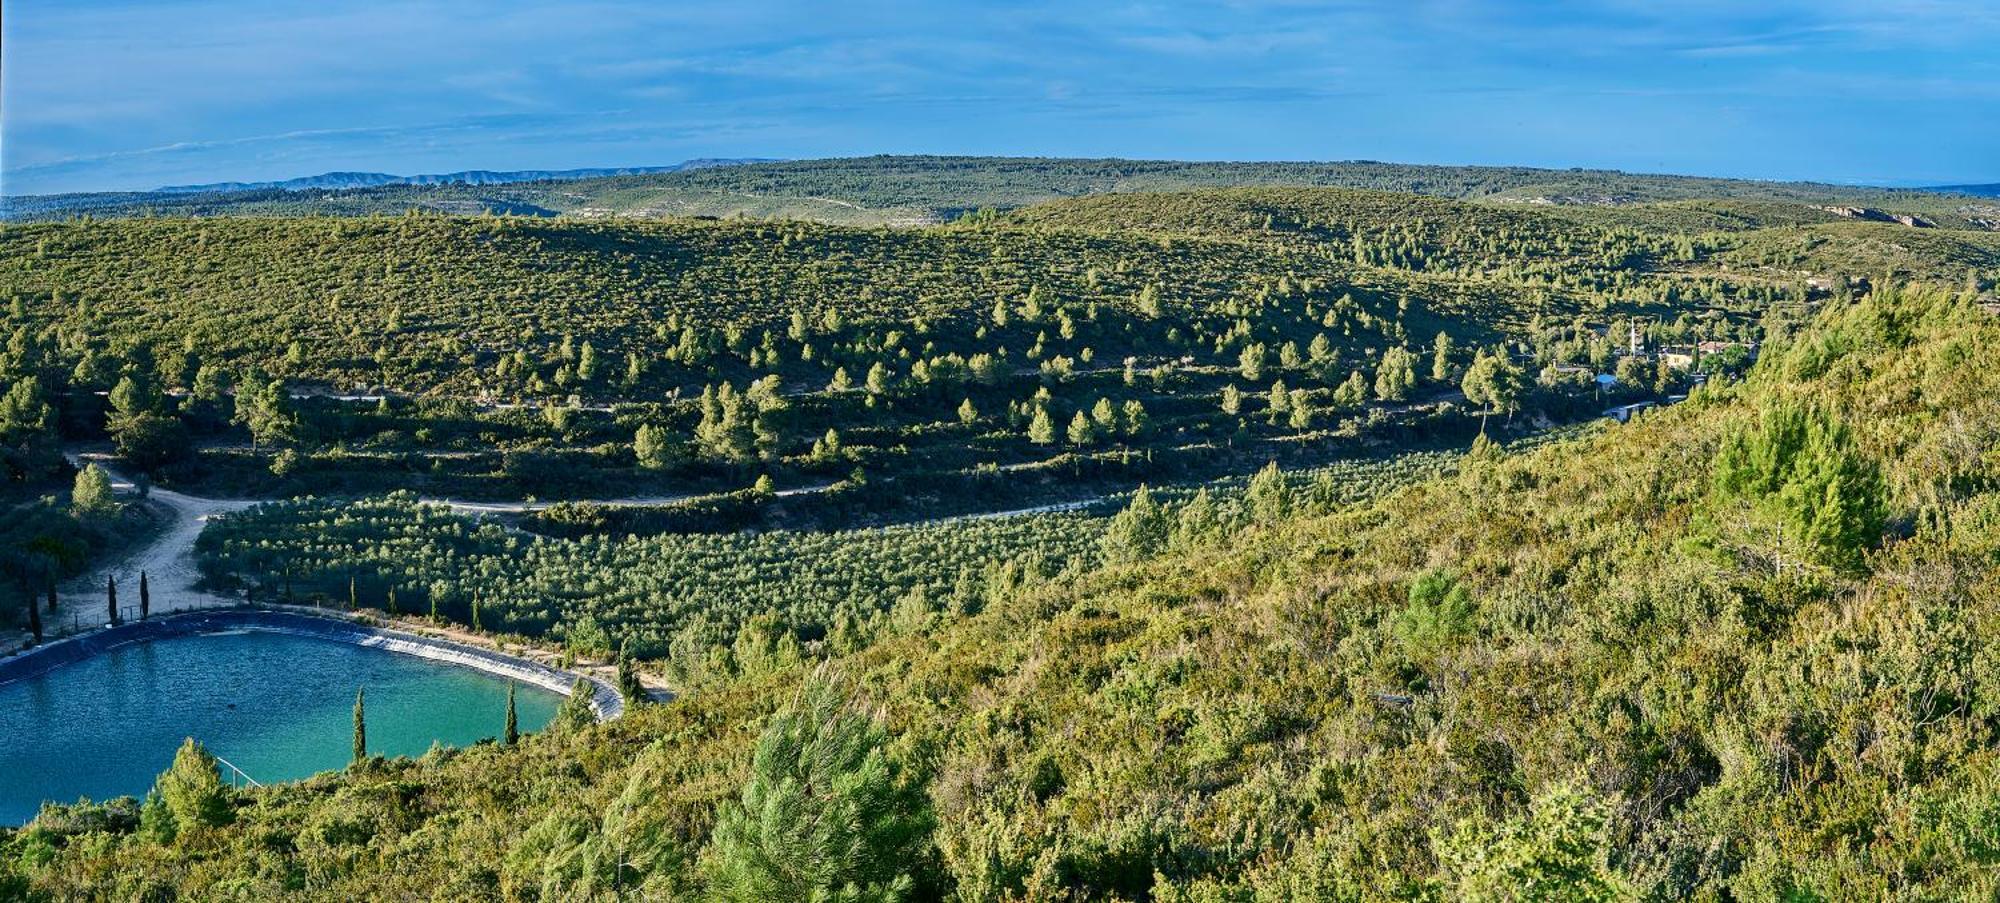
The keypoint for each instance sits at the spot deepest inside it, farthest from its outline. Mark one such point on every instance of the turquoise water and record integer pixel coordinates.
(279, 707)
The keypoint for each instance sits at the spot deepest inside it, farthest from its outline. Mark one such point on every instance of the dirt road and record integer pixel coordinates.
(167, 561)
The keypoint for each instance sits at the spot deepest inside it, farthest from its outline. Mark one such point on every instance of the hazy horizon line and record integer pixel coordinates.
(1886, 183)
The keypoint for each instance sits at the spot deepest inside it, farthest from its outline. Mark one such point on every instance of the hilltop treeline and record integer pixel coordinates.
(916, 189)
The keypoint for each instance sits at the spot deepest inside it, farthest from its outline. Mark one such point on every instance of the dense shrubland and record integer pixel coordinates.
(1734, 649)
(1737, 649)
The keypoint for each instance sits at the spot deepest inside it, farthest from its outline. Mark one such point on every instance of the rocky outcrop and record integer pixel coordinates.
(1877, 216)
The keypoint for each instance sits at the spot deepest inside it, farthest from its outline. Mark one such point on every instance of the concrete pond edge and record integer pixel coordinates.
(38, 660)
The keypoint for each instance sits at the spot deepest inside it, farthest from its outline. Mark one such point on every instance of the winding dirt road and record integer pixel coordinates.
(167, 561)
(635, 501)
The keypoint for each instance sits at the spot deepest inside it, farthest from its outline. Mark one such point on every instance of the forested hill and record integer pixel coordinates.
(919, 189)
(479, 305)
(1742, 649)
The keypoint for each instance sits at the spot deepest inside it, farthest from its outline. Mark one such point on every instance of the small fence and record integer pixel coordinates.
(74, 617)
(237, 776)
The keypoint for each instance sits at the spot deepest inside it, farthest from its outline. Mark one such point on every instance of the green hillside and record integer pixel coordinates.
(1089, 345)
(1320, 577)
(1085, 345)
(1731, 651)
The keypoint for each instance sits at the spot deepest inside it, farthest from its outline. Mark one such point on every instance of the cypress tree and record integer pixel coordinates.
(390, 602)
(111, 597)
(353, 599)
(513, 733)
(52, 593)
(629, 686)
(35, 624)
(475, 611)
(360, 726)
(145, 597)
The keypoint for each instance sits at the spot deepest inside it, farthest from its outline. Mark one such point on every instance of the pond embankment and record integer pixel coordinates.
(605, 700)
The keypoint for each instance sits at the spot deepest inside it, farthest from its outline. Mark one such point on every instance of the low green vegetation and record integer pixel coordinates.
(1572, 671)
(1309, 584)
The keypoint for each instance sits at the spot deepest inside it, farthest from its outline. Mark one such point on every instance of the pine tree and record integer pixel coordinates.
(1104, 417)
(967, 414)
(1136, 421)
(512, 734)
(1798, 469)
(575, 712)
(1232, 400)
(1042, 429)
(192, 790)
(1250, 362)
(156, 821)
(878, 379)
(1301, 410)
(1396, 375)
(1138, 532)
(651, 446)
(1081, 433)
(1197, 521)
(360, 726)
(1269, 494)
(1441, 365)
(91, 494)
(825, 814)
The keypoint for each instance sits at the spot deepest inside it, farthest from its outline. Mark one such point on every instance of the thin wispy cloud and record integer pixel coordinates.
(105, 95)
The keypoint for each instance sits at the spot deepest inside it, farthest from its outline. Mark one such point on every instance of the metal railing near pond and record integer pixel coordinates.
(236, 773)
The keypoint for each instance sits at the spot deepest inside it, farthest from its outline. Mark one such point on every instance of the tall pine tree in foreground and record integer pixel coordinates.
(191, 792)
(1798, 472)
(825, 814)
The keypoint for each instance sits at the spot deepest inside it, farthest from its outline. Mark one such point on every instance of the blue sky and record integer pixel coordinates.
(120, 94)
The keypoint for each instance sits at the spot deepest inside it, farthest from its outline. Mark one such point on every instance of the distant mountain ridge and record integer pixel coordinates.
(1988, 190)
(344, 180)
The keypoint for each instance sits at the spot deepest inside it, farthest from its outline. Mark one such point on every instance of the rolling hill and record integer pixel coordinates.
(922, 189)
